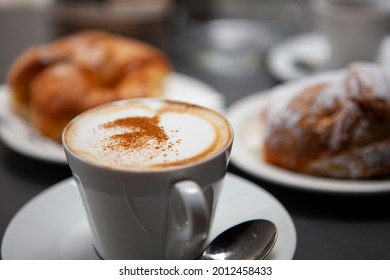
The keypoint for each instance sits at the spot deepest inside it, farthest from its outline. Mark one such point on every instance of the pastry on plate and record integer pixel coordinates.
(52, 83)
(335, 127)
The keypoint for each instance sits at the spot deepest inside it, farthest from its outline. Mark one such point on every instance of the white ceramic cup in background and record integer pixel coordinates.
(354, 29)
(149, 173)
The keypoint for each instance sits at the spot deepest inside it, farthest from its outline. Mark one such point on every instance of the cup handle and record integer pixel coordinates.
(188, 220)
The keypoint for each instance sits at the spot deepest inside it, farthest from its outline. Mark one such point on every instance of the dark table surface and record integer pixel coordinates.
(328, 226)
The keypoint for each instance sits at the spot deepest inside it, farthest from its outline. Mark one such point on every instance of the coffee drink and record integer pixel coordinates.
(147, 134)
(149, 173)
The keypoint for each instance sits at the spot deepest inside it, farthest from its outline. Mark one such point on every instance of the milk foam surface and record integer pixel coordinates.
(174, 135)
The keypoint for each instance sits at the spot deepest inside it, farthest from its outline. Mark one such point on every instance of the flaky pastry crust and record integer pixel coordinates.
(338, 127)
(53, 83)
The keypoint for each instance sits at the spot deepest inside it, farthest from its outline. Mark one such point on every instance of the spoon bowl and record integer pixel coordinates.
(249, 240)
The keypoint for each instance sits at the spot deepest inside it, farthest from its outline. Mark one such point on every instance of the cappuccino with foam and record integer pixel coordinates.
(147, 134)
(149, 173)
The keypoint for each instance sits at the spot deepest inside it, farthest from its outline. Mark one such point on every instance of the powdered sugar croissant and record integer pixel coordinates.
(337, 127)
(53, 83)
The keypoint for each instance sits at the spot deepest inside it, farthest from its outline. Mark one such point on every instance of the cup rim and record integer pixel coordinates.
(68, 150)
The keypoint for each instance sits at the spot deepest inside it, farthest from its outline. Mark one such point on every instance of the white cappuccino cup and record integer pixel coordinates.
(149, 173)
(354, 29)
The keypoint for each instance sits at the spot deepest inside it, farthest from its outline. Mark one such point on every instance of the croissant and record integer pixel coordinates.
(52, 83)
(337, 127)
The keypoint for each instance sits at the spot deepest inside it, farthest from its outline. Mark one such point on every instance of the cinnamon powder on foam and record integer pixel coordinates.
(143, 134)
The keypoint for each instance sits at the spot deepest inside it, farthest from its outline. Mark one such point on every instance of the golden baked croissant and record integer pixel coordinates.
(337, 127)
(53, 83)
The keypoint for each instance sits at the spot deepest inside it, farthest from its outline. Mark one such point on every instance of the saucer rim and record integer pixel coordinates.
(286, 236)
(279, 59)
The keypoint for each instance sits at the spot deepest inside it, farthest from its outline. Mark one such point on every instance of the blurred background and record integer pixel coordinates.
(238, 47)
(223, 41)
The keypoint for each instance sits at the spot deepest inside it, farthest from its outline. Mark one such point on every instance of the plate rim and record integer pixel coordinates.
(19, 144)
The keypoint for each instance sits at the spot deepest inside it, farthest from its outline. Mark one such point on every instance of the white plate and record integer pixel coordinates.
(53, 226)
(20, 136)
(247, 149)
(285, 60)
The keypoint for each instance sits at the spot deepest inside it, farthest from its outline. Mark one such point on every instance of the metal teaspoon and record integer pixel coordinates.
(249, 240)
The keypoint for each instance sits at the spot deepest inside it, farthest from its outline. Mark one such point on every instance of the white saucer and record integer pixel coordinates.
(53, 226)
(303, 54)
(17, 134)
(244, 116)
